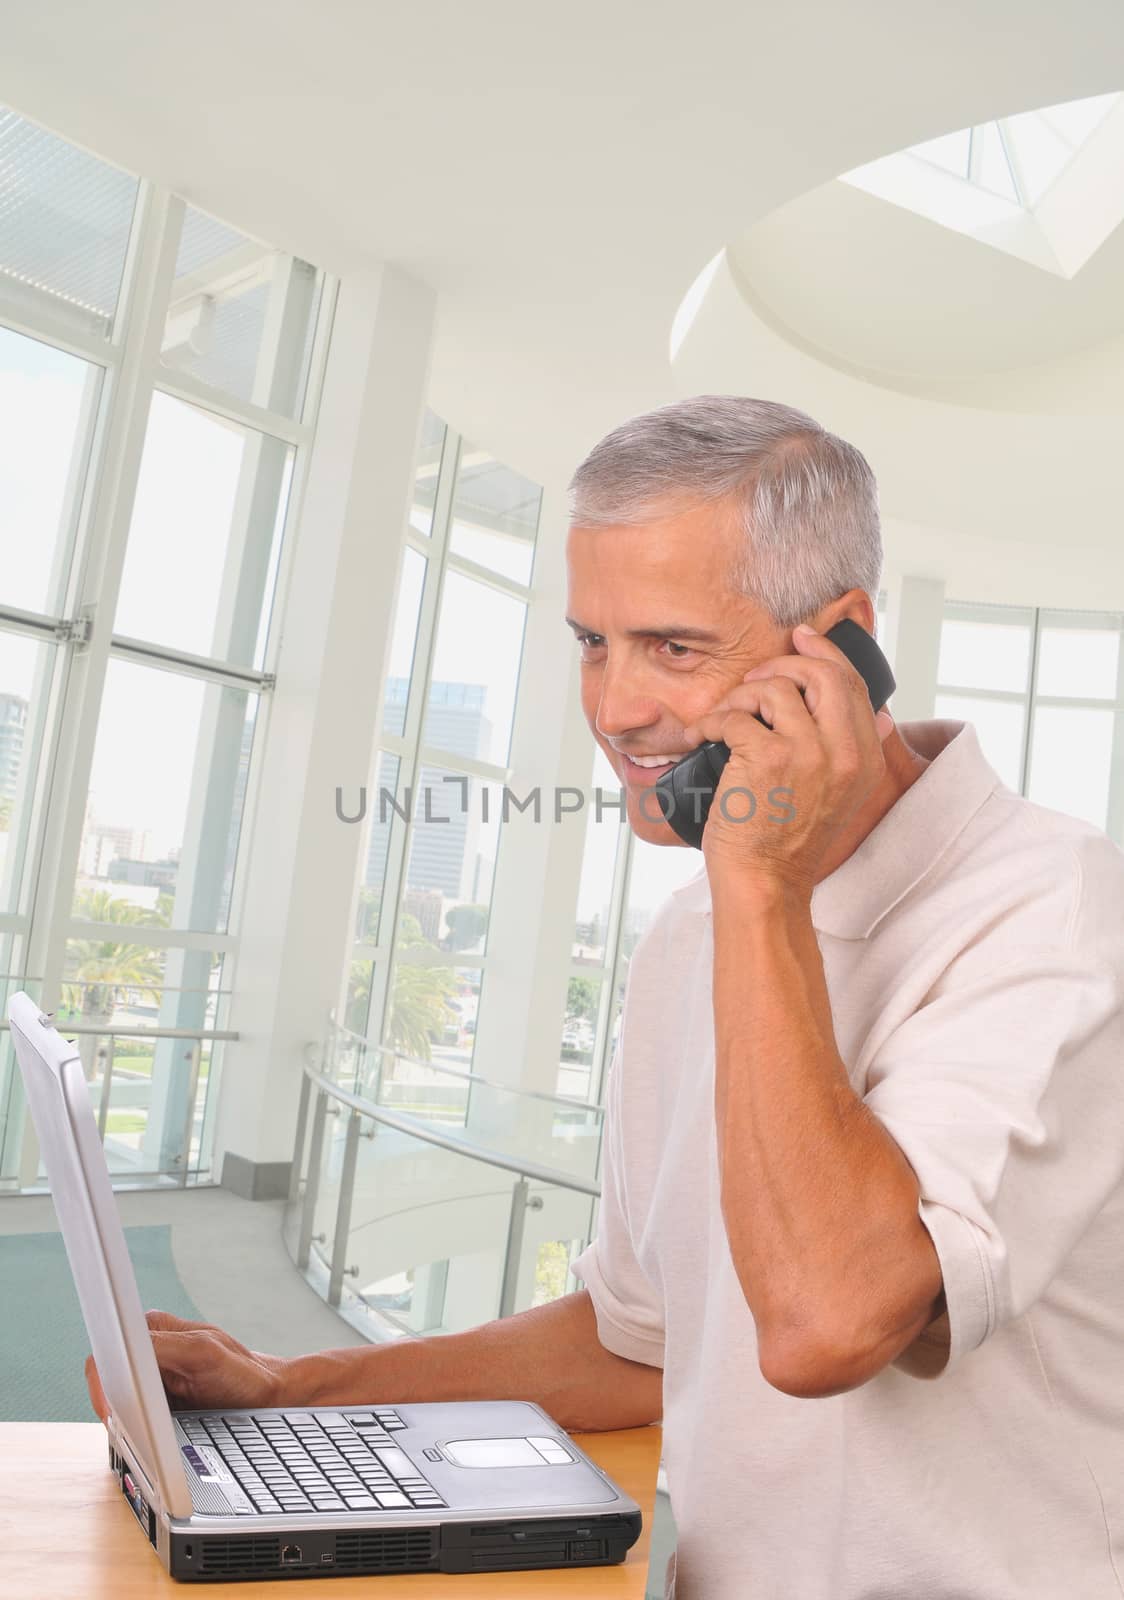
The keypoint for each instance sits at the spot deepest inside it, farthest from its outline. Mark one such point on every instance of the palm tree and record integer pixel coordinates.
(418, 1000)
(419, 1008)
(101, 968)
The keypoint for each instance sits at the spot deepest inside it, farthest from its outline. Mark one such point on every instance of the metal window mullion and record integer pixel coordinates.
(417, 698)
(194, 392)
(366, 951)
(321, 345)
(418, 956)
(294, 512)
(36, 624)
(128, 390)
(51, 329)
(425, 646)
(1014, 166)
(298, 484)
(442, 518)
(429, 755)
(1030, 701)
(393, 874)
(157, 938)
(1073, 702)
(988, 611)
(618, 901)
(1004, 696)
(485, 575)
(216, 671)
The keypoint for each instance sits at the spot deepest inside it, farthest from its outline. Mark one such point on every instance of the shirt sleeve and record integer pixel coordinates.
(630, 1318)
(1003, 1092)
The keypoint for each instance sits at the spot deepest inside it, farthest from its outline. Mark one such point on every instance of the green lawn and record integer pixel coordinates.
(125, 1122)
(142, 1066)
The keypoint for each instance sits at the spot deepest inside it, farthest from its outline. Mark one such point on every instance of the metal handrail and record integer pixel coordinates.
(462, 1072)
(449, 1141)
(360, 1108)
(196, 1037)
(145, 1033)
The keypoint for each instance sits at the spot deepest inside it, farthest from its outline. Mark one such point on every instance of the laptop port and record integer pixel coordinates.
(291, 1555)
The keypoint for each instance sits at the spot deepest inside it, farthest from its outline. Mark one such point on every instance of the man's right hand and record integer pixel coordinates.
(202, 1368)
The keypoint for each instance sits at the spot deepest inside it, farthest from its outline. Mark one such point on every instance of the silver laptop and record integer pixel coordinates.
(476, 1486)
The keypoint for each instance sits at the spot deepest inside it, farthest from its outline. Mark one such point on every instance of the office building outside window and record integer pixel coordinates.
(434, 804)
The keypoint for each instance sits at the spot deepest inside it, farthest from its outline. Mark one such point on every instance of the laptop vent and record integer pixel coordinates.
(401, 1548)
(249, 1554)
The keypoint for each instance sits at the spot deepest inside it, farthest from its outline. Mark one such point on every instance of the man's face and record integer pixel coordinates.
(663, 636)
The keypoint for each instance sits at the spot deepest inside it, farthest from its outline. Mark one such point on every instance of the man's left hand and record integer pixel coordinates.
(823, 749)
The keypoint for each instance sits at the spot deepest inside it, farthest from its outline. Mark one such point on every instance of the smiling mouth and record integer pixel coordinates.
(652, 763)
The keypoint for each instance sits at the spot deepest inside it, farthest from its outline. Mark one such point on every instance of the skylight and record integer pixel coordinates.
(1043, 185)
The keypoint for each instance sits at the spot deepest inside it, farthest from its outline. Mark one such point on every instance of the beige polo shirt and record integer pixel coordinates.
(973, 947)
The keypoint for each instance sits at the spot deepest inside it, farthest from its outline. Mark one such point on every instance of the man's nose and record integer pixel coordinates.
(624, 704)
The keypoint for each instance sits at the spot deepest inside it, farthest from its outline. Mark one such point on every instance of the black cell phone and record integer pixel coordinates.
(686, 792)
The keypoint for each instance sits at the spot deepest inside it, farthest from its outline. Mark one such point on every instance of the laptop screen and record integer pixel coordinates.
(59, 1100)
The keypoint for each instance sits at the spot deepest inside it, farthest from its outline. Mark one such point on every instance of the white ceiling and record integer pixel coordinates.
(561, 176)
(892, 295)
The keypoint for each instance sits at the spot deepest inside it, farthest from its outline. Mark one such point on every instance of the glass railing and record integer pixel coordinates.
(413, 1214)
(153, 1093)
(553, 1130)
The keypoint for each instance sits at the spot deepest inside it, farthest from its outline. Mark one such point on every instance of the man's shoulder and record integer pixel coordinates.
(1059, 874)
(1011, 827)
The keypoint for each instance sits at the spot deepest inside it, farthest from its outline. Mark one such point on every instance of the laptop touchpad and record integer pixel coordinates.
(497, 1453)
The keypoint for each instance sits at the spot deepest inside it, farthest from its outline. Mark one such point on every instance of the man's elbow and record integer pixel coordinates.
(814, 1368)
(810, 1370)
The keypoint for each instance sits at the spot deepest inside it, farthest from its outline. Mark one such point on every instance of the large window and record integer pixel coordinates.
(1045, 692)
(434, 825)
(159, 374)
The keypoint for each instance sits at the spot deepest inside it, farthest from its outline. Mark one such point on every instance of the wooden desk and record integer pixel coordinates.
(68, 1534)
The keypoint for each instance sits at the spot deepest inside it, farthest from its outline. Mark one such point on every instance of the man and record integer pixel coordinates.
(863, 1122)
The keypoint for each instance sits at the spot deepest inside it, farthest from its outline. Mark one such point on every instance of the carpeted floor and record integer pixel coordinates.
(43, 1340)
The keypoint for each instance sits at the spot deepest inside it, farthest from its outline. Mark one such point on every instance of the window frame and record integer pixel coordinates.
(93, 545)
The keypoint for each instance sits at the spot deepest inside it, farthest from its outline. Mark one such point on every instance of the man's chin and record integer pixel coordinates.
(647, 822)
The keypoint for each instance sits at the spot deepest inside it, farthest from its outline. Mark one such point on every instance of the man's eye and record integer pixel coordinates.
(590, 641)
(674, 648)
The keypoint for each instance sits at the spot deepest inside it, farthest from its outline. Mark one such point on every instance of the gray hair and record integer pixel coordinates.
(806, 500)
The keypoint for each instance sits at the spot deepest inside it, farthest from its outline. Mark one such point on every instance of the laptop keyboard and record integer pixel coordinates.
(302, 1462)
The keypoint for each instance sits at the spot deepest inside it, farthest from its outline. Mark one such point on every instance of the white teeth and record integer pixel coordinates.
(655, 761)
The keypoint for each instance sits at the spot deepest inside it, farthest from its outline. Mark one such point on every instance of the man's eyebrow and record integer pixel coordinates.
(668, 631)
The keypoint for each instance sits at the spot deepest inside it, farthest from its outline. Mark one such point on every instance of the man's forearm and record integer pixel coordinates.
(550, 1354)
(819, 1203)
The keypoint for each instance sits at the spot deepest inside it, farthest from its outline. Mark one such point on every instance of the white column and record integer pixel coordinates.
(914, 612)
(531, 927)
(323, 722)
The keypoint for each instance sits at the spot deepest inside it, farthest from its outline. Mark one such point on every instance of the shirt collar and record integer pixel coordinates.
(904, 844)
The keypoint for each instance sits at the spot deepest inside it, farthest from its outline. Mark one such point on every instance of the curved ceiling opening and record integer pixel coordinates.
(1043, 185)
(982, 266)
